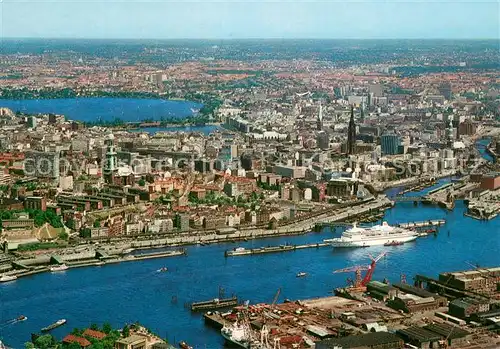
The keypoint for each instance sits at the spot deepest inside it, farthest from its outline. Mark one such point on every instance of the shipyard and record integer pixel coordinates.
(456, 310)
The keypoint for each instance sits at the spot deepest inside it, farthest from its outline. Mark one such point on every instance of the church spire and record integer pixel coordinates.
(319, 121)
(351, 134)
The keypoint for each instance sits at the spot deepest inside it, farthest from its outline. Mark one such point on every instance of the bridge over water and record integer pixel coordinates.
(401, 198)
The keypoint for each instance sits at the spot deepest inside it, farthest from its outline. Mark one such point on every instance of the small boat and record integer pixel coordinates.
(100, 263)
(162, 270)
(59, 267)
(301, 274)
(184, 345)
(394, 243)
(54, 325)
(22, 318)
(7, 278)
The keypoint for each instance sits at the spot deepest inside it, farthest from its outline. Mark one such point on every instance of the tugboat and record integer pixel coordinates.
(301, 274)
(184, 345)
(394, 243)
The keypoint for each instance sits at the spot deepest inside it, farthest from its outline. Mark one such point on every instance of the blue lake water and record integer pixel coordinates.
(106, 109)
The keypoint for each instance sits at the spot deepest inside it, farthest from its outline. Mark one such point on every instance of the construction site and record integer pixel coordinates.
(458, 310)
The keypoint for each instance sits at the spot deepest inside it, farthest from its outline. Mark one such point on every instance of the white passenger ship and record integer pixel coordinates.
(373, 236)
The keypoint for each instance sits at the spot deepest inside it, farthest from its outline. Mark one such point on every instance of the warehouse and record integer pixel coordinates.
(374, 340)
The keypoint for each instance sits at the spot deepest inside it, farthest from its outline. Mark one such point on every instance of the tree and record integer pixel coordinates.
(97, 224)
(77, 332)
(29, 345)
(85, 233)
(141, 182)
(73, 345)
(44, 342)
(126, 331)
(94, 327)
(63, 235)
(106, 328)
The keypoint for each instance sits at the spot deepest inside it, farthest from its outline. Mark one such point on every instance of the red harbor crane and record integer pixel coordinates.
(360, 282)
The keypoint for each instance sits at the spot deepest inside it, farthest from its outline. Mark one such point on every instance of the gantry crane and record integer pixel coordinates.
(360, 283)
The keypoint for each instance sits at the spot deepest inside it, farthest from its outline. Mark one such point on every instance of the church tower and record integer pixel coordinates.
(110, 167)
(319, 121)
(351, 134)
(449, 133)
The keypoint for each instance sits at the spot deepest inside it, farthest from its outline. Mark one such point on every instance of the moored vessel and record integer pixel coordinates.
(59, 267)
(373, 236)
(184, 345)
(7, 278)
(240, 335)
(54, 325)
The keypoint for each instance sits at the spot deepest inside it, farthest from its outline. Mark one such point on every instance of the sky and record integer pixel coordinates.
(233, 19)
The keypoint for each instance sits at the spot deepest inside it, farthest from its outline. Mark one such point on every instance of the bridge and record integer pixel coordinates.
(401, 198)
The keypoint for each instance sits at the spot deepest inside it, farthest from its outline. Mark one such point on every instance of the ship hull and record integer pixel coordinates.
(374, 242)
(233, 342)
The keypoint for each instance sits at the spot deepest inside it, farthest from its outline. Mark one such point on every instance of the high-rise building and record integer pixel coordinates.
(445, 90)
(362, 114)
(110, 167)
(32, 122)
(323, 140)
(351, 134)
(389, 144)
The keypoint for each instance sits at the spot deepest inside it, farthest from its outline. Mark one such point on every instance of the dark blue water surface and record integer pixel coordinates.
(481, 146)
(106, 109)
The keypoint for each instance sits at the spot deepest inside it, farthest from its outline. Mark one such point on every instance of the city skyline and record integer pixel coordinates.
(260, 19)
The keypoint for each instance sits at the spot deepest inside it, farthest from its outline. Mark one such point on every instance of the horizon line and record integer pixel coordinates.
(240, 38)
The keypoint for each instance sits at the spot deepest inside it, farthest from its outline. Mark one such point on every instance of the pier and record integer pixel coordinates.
(215, 319)
(423, 224)
(215, 303)
(271, 249)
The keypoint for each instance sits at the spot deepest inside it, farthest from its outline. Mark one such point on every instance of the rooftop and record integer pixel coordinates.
(368, 340)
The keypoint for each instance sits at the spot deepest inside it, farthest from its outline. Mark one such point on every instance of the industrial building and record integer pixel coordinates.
(374, 340)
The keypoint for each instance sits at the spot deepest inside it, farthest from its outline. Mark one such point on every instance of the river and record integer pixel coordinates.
(105, 108)
(130, 292)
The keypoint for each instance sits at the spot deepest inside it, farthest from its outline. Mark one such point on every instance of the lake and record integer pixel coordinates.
(105, 108)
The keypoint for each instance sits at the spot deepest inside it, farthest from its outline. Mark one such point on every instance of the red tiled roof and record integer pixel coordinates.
(94, 334)
(75, 339)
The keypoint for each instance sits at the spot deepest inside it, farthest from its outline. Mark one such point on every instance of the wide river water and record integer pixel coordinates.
(134, 291)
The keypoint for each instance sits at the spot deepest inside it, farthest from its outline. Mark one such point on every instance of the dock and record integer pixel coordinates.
(240, 251)
(423, 224)
(215, 303)
(215, 319)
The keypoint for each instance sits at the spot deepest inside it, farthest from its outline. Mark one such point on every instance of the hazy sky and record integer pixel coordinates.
(250, 19)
